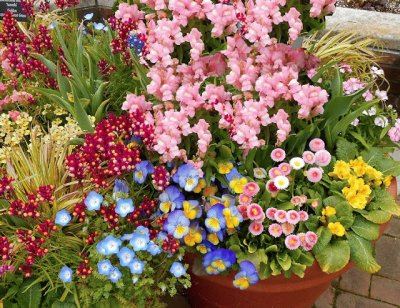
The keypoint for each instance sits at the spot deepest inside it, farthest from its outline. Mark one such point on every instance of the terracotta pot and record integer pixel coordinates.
(218, 291)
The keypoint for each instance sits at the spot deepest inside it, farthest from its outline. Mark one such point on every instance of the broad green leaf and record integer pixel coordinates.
(384, 200)
(379, 158)
(63, 84)
(346, 150)
(82, 117)
(334, 257)
(256, 258)
(298, 269)
(324, 238)
(264, 271)
(284, 260)
(30, 294)
(249, 163)
(97, 98)
(56, 99)
(376, 216)
(361, 253)
(365, 228)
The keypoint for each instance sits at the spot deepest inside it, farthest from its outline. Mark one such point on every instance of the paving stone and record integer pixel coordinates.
(326, 299)
(394, 228)
(348, 300)
(385, 289)
(356, 281)
(388, 256)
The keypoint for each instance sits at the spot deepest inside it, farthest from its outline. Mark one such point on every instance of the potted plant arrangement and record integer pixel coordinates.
(237, 159)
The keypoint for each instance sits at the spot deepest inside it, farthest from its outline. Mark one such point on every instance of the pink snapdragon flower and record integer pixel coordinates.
(243, 74)
(322, 7)
(293, 19)
(182, 10)
(128, 12)
(223, 18)
(283, 124)
(311, 100)
(134, 103)
(197, 45)
(163, 84)
(204, 135)
(394, 132)
(352, 85)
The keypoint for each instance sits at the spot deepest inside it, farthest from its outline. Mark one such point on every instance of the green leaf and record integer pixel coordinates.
(284, 260)
(54, 96)
(337, 84)
(376, 216)
(365, 228)
(324, 238)
(256, 258)
(76, 141)
(63, 84)
(379, 158)
(97, 98)
(340, 105)
(82, 117)
(298, 269)
(361, 253)
(50, 65)
(384, 200)
(249, 163)
(346, 150)
(30, 294)
(334, 257)
(99, 115)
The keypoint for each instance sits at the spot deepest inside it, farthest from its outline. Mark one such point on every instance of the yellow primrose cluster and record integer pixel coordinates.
(336, 228)
(359, 176)
(12, 132)
(63, 133)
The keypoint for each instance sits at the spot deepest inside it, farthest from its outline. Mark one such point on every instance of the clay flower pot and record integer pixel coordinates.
(218, 291)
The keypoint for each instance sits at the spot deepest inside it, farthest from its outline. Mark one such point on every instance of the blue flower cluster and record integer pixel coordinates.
(219, 260)
(135, 43)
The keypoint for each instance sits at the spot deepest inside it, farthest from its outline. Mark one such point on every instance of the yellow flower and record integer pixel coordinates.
(213, 238)
(336, 228)
(237, 185)
(209, 191)
(200, 186)
(225, 168)
(70, 97)
(357, 193)
(387, 180)
(341, 170)
(193, 237)
(328, 211)
(202, 249)
(359, 166)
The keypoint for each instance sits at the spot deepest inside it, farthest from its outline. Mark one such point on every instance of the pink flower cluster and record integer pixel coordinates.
(394, 132)
(286, 222)
(260, 71)
(322, 7)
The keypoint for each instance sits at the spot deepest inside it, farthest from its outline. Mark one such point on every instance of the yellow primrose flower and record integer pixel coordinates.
(329, 211)
(341, 170)
(237, 185)
(200, 186)
(225, 168)
(387, 180)
(359, 166)
(336, 228)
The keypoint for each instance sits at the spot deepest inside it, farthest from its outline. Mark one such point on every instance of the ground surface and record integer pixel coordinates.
(392, 6)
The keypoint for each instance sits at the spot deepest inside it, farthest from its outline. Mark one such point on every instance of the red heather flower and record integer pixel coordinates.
(84, 270)
(45, 194)
(105, 68)
(46, 227)
(66, 3)
(26, 270)
(27, 7)
(32, 244)
(10, 30)
(160, 177)
(110, 216)
(5, 185)
(21, 209)
(91, 239)
(4, 268)
(44, 6)
(171, 244)
(79, 211)
(5, 248)
(141, 215)
(42, 41)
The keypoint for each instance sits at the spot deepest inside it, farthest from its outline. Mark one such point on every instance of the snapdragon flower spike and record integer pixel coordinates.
(5, 185)
(246, 276)
(219, 260)
(160, 178)
(84, 270)
(5, 248)
(46, 227)
(42, 42)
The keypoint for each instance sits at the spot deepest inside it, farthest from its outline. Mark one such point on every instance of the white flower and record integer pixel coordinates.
(355, 122)
(381, 121)
(370, 112)
(297, 163)
(260, 173)
(376, 71)
(281, 182)
(382, 95)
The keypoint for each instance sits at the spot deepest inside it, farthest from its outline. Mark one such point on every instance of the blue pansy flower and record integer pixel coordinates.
(104, 267)
(136, 266)
(187, 177)
(142, 170)
(177, 269)
(66, 274)
(125, 256)
(171, 199)
(88, 16)
(177, 224)
(124, 207)
(218, 260)
(153, 249)
(139, 241)
(63, 218)
(120, 188)
(247, 275)
(215, 220)
(111, 245)
(114, 275)
(93, 201)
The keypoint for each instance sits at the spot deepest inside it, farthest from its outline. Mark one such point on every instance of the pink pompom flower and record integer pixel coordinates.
(271, 187)
(285, 168)
(251, 189)
(245, 199)
(275, 230)
(303, 216)
(314, 174)
(309, 157)
(270, 212)
(292, 242)
(311, 238)
(255, 212)
(243, 210)
(317, 144)
(274, 172)
(296, 200)
(256, 228)
(292, 217)
(287, 228)
(322, 158)
(278, 155)
(280, 216)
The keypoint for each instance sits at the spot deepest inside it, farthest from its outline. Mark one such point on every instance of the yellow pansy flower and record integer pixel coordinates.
(225, 168)
(237, 185)
(202, 184)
